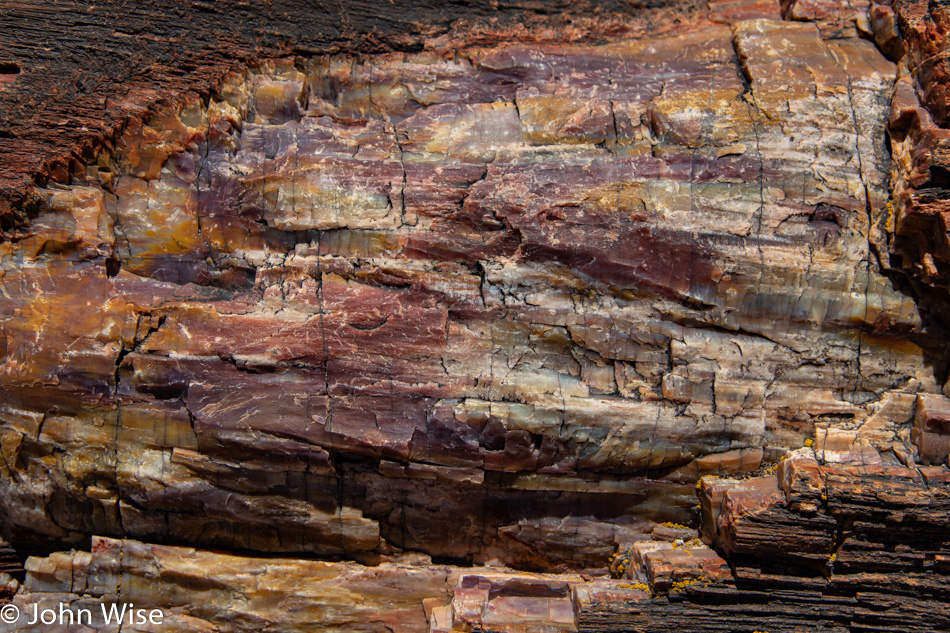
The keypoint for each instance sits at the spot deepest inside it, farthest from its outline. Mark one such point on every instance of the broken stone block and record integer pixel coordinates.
(677, 568)
(931, 431)
(514, 603)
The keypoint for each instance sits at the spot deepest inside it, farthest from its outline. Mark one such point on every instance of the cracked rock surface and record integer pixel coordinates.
(526, 286)
(499, 305)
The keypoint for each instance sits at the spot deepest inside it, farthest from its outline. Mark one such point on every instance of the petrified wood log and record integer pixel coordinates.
(73, 74)
(500, 300)
(919, 220)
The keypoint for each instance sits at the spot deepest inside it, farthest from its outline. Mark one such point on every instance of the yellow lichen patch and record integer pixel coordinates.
(622, 561)
(693, 542)
(680, 585)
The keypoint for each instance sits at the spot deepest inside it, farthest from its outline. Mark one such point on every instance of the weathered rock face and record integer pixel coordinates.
(918, 223)
(196, 589)
(497, 305)
(72, 74)
(851, 548)
(541, 289)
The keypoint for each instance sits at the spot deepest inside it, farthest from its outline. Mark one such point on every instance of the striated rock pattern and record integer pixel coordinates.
(526, 286)
(73, 74)
(506, 308)
(860, 547)
(850, 548)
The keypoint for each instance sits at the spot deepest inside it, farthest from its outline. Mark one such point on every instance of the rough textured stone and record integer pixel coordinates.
(846, 548)
(918, 222)
(932, 428)
(531, 286)
(203, 591)
(505, 302)
(74, 74)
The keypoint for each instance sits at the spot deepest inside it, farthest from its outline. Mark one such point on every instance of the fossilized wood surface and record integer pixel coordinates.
(919, 220)
(849, 548)
(73, 74)
(496, 303)
(521, 285)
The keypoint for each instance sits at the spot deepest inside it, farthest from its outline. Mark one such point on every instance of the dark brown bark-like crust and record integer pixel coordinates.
(73, 73)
